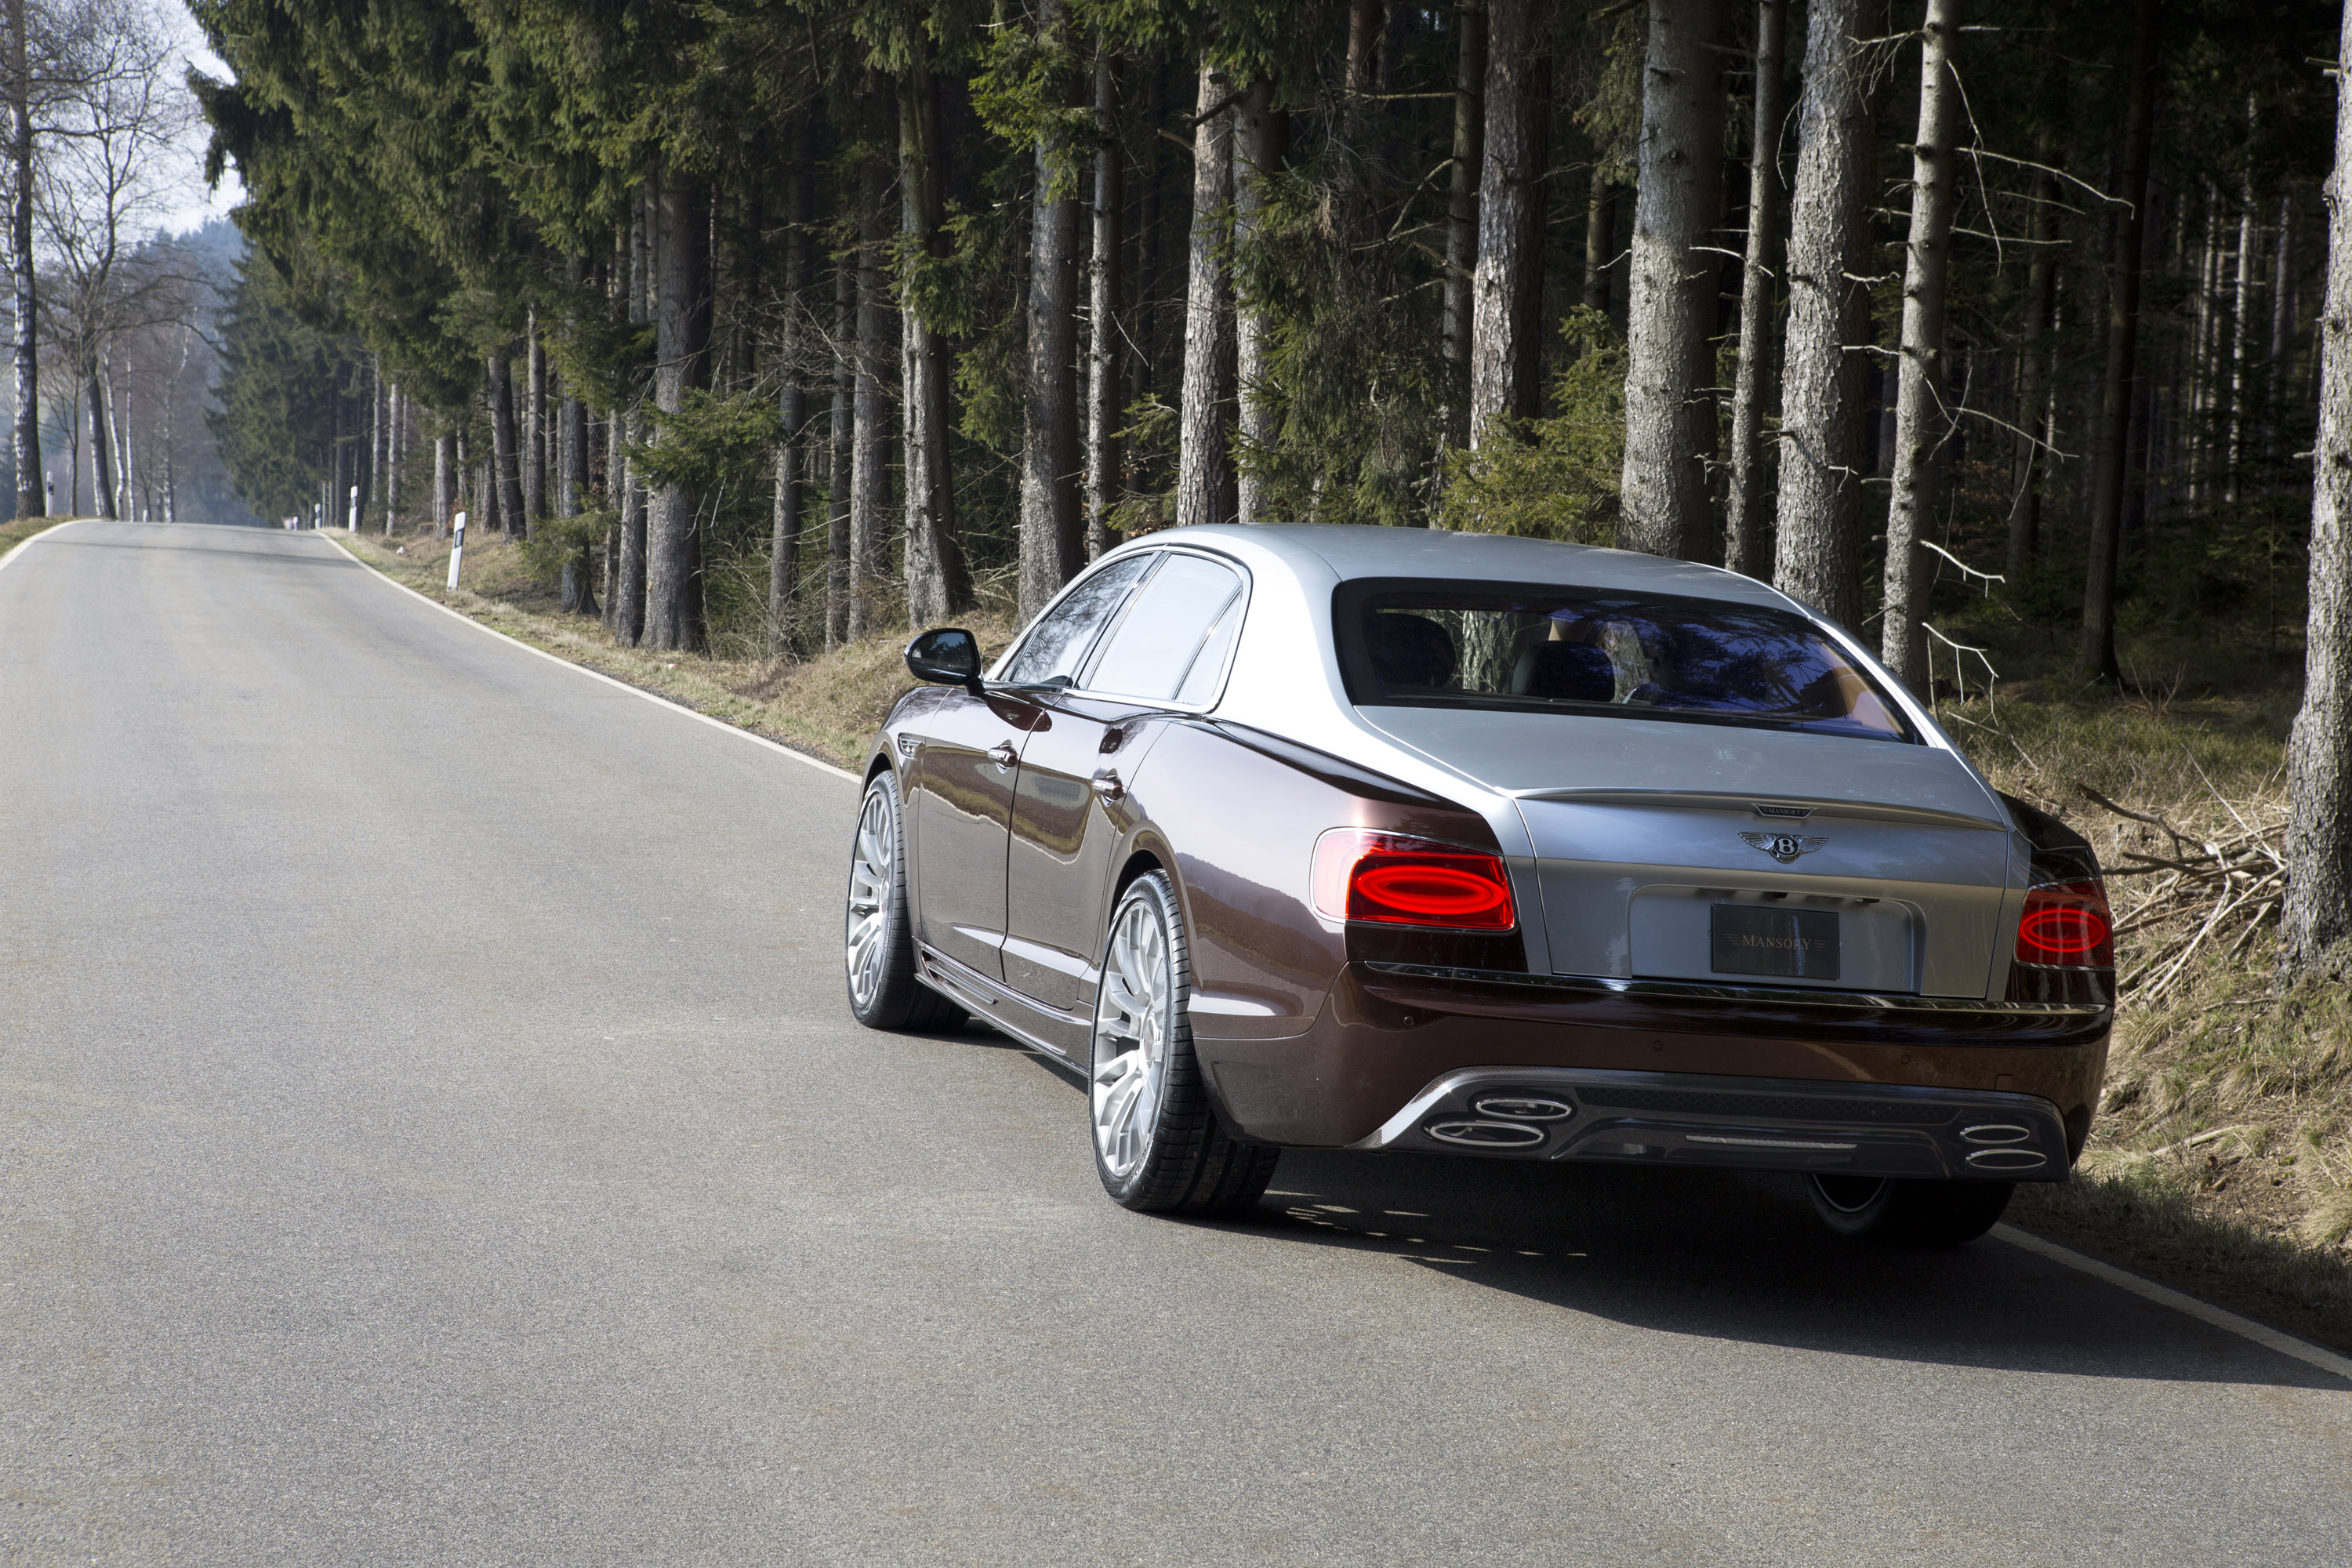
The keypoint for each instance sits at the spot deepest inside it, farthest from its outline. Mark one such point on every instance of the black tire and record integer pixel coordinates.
(1174, 1157)
(1890, 1212)
(892, 997)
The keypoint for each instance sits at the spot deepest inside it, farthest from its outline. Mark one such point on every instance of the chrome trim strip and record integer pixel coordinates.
(1773, 996)
(974, 990)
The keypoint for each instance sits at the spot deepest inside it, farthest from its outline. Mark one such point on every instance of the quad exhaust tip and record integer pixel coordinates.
(1996, 1132)
(1469, 1134)
(2007, 1159)
(1522, 1107)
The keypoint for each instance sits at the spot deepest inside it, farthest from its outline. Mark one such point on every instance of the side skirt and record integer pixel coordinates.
(1059, 1035)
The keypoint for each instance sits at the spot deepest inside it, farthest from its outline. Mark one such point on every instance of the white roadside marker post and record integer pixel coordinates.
(457, 547)
(351, 522)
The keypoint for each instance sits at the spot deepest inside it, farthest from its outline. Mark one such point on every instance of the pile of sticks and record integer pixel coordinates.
(2206, 891)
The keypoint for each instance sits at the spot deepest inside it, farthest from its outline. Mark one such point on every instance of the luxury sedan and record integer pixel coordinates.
(1392, 839)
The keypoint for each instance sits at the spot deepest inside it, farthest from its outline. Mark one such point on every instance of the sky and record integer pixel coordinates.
(198, 206)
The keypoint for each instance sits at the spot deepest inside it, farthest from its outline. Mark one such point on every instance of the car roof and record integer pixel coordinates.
(1348, 551)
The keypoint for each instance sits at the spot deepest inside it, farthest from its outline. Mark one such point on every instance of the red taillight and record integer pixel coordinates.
(1391, 878)
(2067, 923)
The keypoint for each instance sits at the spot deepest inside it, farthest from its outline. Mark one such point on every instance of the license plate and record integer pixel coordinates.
(1795, 944)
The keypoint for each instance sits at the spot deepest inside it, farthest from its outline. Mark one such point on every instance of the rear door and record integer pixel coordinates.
(1069, 818)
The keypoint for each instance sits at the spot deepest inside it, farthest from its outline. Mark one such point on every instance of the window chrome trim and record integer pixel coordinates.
(1240, 601)
(1770, 995)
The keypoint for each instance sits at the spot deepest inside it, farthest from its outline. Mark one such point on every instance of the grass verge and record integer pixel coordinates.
(2221, 1163)
(18, 529)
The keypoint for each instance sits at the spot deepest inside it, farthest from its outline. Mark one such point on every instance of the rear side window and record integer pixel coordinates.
(1167, 629)
(1530, 649)
(1057, 644)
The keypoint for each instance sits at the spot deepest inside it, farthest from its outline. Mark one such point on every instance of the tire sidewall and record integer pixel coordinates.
(1158, 893)
(879, 1008)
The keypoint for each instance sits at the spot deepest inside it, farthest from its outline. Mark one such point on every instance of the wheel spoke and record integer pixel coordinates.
(1131, 1050)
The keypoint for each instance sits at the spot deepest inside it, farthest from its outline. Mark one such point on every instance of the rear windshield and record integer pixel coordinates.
(1523, 648)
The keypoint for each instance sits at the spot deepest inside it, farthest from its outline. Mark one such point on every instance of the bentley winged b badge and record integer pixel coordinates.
(1784, 846)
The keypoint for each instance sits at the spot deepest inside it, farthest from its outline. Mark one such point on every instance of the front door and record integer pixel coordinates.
(1069, 819)
(958, 795)
(1064, 831)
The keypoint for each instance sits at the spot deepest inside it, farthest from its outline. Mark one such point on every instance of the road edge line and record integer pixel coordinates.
(556, 658)
(2180, 1301)
(18, 548)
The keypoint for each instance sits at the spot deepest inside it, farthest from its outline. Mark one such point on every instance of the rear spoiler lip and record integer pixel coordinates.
(1722, 800)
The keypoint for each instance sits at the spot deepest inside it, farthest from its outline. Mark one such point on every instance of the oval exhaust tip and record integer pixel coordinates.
(1485, 1134)
(2007, 1159)
(1523, 1107)
(1996, 1132)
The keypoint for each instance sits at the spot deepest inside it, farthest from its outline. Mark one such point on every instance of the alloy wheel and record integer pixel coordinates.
(868, 921)
(1130, 1046)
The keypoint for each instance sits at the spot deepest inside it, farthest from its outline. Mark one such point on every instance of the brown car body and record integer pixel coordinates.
(1317, 1033)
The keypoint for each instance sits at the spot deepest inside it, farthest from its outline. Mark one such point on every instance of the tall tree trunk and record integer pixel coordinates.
(629, 609)
(504, 439)
(2316, 919)
(2107, 453)
(26, 428)
(1921, 425)
(1259, 134)
(939, 583)
(534, 445)
(2282, 328)
(1461, 209)
(839, 438)
(1143, 321)
(1102, 309)
(444, 486)
(1053, 537)
(102, 454)
(1747, 545)
(869, 479)
(1817, 554)
(394, 412)
(1509, 202)
(2240, 319)
(1204, 466)
(681, 364)
(1666, 508)
(2033, 365)
(1600, 203)
(791, 461)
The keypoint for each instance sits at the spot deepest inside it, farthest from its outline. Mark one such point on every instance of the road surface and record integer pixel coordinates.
(431, 1132)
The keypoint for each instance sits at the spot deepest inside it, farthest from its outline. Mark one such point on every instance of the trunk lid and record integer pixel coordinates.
(1874, 865)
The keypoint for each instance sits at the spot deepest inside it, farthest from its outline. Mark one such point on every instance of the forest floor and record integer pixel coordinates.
(2221, 1161)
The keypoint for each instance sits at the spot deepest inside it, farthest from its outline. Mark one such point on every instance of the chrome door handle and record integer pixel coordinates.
(1107, 785)
(1003, 754)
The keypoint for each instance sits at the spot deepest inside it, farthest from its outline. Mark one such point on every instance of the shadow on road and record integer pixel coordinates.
(1726, 1255)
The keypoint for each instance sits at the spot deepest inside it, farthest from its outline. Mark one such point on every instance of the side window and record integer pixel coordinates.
(1057, 644)
(1162, 633)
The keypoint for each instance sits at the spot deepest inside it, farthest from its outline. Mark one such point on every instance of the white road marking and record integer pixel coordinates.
(800, 757)
(2262, 1334)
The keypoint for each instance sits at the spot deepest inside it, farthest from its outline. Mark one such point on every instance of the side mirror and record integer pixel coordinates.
(948, 655)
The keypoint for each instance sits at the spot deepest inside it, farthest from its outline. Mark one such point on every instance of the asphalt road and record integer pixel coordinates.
(431, 1132)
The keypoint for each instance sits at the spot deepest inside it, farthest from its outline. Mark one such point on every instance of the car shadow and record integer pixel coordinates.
(1737, 1257)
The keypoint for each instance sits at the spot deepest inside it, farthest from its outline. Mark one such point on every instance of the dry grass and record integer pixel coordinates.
(828, 705)
(2222, 1159)
(16, 531)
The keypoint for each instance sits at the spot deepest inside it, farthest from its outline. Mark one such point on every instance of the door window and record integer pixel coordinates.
(1057, 645)
(1164, 631)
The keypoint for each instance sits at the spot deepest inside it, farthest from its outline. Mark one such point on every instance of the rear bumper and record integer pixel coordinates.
(1738, 1123)
(1385, 1037)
